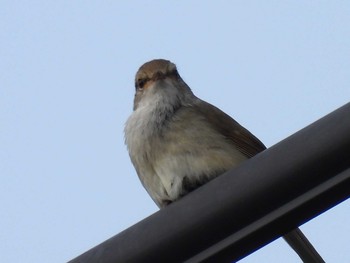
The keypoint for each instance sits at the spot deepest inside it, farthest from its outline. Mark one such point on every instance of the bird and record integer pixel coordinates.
(178, 142)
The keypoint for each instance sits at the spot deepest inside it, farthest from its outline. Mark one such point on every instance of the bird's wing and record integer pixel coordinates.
(240, 137)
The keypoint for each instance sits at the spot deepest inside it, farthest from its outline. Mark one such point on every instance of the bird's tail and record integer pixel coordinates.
(302, 246)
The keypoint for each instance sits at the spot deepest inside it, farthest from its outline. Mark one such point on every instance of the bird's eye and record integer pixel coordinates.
(141, 83)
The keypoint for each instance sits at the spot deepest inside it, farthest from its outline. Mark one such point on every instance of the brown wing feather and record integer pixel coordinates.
(243, 140)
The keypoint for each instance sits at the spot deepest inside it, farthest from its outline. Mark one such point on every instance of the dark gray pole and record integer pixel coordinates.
(247, 207)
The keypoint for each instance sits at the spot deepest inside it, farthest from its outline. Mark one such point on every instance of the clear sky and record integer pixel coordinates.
(67, 85)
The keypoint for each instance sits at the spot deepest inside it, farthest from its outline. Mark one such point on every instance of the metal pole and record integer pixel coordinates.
(247, 207)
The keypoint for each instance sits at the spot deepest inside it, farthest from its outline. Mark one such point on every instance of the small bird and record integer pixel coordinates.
(178, 142)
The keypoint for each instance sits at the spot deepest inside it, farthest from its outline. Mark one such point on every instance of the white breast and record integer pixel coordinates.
(143, 131)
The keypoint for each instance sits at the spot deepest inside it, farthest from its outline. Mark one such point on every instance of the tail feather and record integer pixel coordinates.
(302, 246)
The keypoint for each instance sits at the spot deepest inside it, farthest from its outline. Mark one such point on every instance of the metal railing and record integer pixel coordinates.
(247, 207)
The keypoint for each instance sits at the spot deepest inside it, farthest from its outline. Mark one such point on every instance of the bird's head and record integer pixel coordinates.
(159, 80)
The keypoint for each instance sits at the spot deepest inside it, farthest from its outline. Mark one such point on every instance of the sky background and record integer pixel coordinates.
(67, 85)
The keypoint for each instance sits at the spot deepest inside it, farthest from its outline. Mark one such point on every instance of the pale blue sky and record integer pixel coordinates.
(66, 90)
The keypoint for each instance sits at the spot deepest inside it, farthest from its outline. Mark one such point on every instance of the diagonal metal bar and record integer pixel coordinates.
(247, 207)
